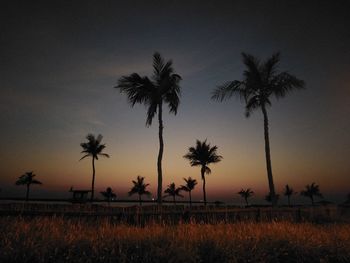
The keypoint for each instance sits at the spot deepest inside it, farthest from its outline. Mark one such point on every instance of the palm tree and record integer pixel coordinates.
(311, 191)
(190, 184)
(139, 188)
(203, 155)
(108, 194)
(162, 87)
(93, 148)
(260, 81)
(27, 179)
(269, 199)
(247, 193)
(288, 191)
(173, 191)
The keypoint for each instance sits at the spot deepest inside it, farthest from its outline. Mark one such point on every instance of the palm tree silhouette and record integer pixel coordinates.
(173, 191)
(108, 194)
(93, 148)
(190, 185)
(139, 188)
(288, 191)
(261, 81)
(27, 179)
(311, 191)
(162, 87)
(203, 155)
(245, 194)
(269, 199)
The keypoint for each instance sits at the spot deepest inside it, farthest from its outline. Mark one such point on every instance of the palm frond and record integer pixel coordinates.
(229, 89)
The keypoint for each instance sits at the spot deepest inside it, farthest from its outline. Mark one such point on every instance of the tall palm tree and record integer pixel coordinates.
(190, 185)
(311, 191)
(288, 191)
(161, 87)
(203, 155)
(245, 194)
(173, 191)
(27, 179)
(93, 148)
(139, 188)
(261, 81)
(108, 194)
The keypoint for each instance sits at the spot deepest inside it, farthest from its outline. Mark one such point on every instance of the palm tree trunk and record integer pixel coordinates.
(190, 198)
(140, 202)
(174, 200)
(312, 200)
(27, 193)
(246, 201)
(93, 179)
(204, 193)
(160, 155)
(268, 157)
(288, 200)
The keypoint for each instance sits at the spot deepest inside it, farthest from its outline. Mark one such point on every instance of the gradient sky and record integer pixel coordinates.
(59, 61)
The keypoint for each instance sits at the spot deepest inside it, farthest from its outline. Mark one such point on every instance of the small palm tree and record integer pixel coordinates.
(269, 198)
(108, 194)
(139, 188)
(311, 191)
(93, 148)
(288, 191)
(27, 179)
(245, 194)
(173, 191)
(261, 81)
(203, 155)
(162, 88)
(190, 185)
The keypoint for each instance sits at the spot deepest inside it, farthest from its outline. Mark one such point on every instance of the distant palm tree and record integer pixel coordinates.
(108, 194)
(288, 191)
(162, 87)
(190, 185)
(203, 155)
(247, 193)
(260, 81)
(173, 192)
(27, 179)
(93, 148)
(139, 188)
(268, 198)
(311, 191)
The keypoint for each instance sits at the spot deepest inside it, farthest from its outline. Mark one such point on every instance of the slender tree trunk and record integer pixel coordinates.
(268, 157)
(93, 179)
(312, 200)
(27, 193)
(190, 198)
(204, 193)
(246, 201)
(174, 200)
(288, 200)
(160, 155)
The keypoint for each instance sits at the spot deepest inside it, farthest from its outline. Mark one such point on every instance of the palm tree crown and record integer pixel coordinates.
(311, 191)
(108, 194)
(162, 87)
(173, 191)
(93, 148)
(27, 179)
(139, 188)
(203, 155)
(247, 193)
(261, 81)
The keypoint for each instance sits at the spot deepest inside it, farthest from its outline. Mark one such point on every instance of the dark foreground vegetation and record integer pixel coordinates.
(58, 239)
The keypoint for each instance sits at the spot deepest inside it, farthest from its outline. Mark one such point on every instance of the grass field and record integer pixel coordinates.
(46, 239)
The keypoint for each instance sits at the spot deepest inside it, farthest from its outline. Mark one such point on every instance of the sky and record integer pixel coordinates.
(59, 62)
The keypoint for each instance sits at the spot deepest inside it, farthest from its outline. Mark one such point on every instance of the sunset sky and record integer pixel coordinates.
(59, 62)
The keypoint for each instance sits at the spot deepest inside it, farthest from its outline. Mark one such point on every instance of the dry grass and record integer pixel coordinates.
(71, 240)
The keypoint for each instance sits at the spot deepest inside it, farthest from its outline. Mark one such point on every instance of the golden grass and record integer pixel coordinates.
(72, 240)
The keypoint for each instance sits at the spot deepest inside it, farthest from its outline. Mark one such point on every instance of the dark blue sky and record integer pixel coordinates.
(60, 59)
